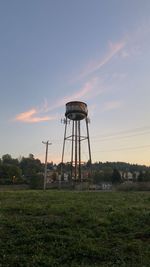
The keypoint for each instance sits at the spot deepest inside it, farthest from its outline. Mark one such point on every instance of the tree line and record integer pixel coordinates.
(116, 172)
(28, 169)
(19, 170)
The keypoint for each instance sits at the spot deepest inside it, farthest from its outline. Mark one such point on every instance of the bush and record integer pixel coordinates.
(36, 182)
(133, 187)
(5, 181)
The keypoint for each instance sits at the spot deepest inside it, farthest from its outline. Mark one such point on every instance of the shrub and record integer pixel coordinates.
(133, 187)
(36, 182)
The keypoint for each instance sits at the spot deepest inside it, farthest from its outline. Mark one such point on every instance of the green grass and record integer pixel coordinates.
(74, 229)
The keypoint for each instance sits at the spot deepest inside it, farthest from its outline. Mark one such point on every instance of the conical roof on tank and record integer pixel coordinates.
(76, 110)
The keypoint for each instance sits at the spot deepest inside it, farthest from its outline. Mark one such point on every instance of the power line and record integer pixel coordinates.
(137, 129)
(124, 148)
(130, 133)
(120, 137)
(109, 138)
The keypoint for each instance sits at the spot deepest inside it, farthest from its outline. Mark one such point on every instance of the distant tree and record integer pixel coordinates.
(10, 174)
(30, 166)
(140, 177)
(102, 175)
(31, 156)
(134, 176)
(98, 176)
(50, 165)
(7, 159)
(88, 164)
(147, 176)
(54, 176)
(116, 177)
(107, 173)
(1, 170)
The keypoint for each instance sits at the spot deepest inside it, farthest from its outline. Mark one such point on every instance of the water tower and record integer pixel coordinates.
(76, 113)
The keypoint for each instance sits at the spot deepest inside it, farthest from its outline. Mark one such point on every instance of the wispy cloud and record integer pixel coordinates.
(91, 68)
(111, 105)
(32, 116)
(44, 108)
(137, 41)
(88, 90)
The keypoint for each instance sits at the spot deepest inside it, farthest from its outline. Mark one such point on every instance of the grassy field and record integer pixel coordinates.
(74, 229)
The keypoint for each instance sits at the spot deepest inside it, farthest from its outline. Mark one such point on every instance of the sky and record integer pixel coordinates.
(55, 51)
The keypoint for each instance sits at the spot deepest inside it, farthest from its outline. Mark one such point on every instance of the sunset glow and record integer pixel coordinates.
(53, 52)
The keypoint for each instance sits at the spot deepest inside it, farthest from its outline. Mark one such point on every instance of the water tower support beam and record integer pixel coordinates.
(79, 137)
(76, 150)
(88, 138)
(72, 149)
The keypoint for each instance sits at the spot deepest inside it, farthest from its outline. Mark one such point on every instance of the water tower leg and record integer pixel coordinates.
(76, 150)
(88, 138)
(63, 150)
(79, 140)
(72, 149)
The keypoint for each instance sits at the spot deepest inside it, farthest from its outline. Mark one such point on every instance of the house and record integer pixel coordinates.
(129, 176)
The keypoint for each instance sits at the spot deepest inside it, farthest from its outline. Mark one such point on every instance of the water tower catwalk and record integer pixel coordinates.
(76, 113)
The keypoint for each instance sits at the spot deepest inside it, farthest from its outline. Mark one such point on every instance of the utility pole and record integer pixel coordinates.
(66, 122)
(45, 171)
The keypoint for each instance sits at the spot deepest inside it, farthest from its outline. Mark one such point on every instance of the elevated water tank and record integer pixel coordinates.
(76, 110)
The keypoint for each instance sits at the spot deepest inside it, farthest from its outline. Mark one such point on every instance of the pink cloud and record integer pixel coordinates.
(87, 89)
(114, 48)
(44, 108)
(31, 116)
